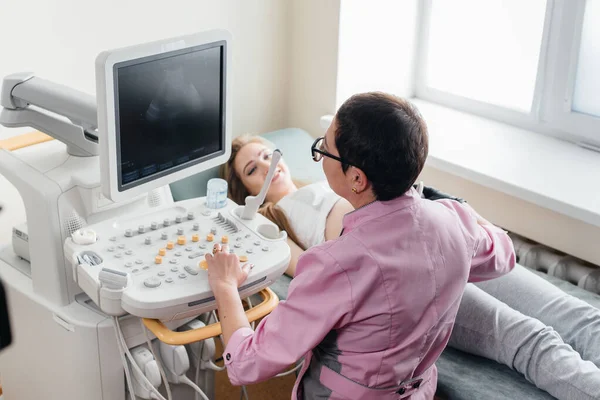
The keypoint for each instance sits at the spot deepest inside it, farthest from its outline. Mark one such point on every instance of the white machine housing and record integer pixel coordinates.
(172, 286)
(60, 304)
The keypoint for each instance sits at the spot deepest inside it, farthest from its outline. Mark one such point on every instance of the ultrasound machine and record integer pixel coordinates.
(107, 262)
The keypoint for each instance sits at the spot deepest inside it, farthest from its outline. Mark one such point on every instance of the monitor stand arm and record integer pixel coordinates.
(41, 104)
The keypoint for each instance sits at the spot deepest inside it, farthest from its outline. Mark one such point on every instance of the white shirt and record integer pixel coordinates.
(307, 209)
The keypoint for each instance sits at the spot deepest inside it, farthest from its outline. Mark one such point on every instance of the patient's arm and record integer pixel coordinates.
(333, 224)
(296, 252)
(333, 228)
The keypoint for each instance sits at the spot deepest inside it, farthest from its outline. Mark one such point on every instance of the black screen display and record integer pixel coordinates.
(170, 112)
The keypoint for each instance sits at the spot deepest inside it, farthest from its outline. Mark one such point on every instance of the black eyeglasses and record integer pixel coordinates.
(318, 152)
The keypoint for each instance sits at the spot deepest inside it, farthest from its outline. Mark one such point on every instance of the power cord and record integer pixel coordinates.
(121, 339)
(125, 365)
(158, 362)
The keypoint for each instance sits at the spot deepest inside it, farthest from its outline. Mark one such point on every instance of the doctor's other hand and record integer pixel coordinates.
(431, 193)
(224, 270)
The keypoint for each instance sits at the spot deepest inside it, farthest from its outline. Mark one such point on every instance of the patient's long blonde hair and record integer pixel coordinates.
(238, 192)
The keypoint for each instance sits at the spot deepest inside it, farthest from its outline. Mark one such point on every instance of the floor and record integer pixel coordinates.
(273, 389)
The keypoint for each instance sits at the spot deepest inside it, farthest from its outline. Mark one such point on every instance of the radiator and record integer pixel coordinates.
(548, 260)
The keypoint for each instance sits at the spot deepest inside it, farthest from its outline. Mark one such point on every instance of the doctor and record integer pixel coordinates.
(372, 310)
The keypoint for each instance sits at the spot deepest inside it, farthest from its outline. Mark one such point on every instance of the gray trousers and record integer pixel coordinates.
(530, 325)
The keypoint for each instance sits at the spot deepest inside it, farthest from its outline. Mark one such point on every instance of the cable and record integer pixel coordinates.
(125, 365)
(244, 393)
(215, 367)
(158, 362)
(296, 368)
(252, 324)
(132, 361)
(188, 382)
(198, 368)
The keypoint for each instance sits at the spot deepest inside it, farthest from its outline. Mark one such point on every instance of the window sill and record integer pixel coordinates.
(539, 169)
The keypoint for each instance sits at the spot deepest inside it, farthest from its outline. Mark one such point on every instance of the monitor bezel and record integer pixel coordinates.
(106, 85)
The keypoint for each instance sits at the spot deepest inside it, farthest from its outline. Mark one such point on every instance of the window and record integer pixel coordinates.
(587, 79)
(486, 50)
(534, 63)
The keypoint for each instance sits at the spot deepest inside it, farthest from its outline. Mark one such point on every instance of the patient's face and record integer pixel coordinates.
(252, 165)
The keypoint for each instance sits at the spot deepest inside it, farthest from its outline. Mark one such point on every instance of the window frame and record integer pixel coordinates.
(551, 112)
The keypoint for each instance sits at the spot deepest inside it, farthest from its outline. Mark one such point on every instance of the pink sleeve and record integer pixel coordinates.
(318, 300)
(493, 250)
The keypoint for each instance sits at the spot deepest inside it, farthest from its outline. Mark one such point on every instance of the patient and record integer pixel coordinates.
(519, 320)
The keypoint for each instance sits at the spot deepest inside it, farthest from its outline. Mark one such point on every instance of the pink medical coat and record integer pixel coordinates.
(371, 311)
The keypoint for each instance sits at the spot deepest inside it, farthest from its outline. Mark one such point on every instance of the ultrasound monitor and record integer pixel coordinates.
(163, 112)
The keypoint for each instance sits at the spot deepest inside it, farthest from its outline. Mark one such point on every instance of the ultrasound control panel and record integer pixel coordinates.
(152, 265)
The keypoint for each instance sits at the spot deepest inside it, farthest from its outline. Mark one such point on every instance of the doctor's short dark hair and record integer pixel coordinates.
(386, 137)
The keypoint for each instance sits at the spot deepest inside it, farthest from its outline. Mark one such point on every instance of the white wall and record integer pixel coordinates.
(313, 62)
(59, 41)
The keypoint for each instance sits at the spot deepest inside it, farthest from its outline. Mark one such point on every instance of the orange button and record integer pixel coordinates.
(243, 258)
(224, 239)
(203, 264)
(210, 237)
(170, 245)
(162, 252)
(158, 260)
(181, 240)
(195, 237)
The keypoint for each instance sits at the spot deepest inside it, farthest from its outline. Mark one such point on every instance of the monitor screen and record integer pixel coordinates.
(170, 112)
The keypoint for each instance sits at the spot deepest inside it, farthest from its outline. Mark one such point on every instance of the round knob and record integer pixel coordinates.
(148, 240)
(243, 259)
(170, 245)
(213, 230)
(152, 282)
(195, 237)
(141, 229)
(181, 240)
(210, 237)
(196, 227)
(169, 280)
(128, 264)
(224, 239)
(182, 276)
(190, 215)
(178, 219)
(158, 260)
(265, 248)
(203, 264)
(166, 222)
(237, 245)
(162, 252)
(154, 226)
(180, 231)
(163, 236)
(128, 233)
